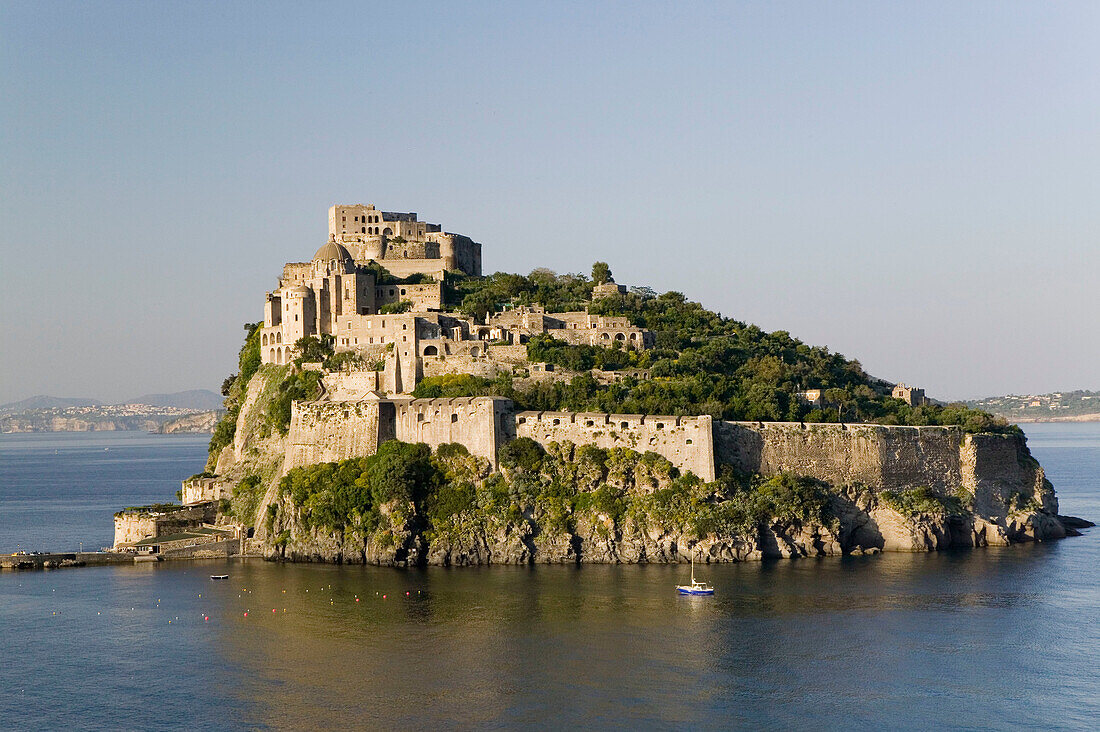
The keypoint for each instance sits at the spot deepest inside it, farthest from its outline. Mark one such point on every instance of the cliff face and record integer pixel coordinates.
(194, 423)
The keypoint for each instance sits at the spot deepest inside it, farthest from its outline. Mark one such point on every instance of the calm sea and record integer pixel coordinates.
(989, 638)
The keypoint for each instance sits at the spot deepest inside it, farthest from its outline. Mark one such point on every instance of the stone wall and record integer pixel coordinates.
(201, 490)
(686, 441)
(991, 468)
(877, 456)
(482, 424)
(323, 432)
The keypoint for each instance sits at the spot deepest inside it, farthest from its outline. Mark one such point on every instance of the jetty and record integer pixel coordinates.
(55, 560)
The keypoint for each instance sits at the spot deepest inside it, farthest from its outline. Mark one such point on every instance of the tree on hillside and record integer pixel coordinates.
(601, 273)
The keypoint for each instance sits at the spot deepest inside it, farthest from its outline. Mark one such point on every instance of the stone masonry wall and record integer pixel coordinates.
(685, 441)
(992, 468)
(877, 456)
(322, 432)
(480, 423)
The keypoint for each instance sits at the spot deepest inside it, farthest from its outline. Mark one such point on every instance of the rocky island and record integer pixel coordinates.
(396, 406)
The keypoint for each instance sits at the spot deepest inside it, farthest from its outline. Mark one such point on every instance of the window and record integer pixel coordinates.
(454, 418)
(624, 425)
(689, 441)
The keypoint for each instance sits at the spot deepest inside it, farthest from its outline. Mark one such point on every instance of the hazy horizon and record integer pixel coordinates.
(911, 186)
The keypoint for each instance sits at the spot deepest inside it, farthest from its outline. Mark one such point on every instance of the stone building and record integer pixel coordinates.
(337, 294)
(401, 243)
(911, 395)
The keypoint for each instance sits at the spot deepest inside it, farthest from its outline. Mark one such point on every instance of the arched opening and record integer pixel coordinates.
(263, 339)
(387, 231)
(431, 351)
(605, 336)
(278, 337)
(474, 351)
(620, 337)
(633, 336)
(271, 356)
(454, 418)
(364, 230)
(624, 425)
(278, 355)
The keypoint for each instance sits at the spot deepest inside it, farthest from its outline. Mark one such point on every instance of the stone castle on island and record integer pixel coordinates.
(376, 291)
(398, 324)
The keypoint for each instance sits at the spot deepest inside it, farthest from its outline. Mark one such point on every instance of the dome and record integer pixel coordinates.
(331, 251)
(300, 290)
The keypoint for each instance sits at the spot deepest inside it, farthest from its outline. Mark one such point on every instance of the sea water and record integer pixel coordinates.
(1004, 638)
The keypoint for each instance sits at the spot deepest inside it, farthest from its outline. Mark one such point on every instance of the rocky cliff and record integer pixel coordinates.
(191, 424)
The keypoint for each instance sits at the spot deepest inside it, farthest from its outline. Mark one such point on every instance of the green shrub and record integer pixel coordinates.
(922, 500)
(297, 386)
(522, 453)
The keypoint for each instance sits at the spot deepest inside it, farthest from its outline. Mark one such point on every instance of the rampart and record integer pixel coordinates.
(878, 456)
(323, 432)
(482, 424)
(686, 441)
(992, 468)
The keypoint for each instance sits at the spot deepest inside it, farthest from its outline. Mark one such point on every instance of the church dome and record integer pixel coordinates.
(331, 251)
(300, 290)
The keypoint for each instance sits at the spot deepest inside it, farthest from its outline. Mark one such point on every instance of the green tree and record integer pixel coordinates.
(601, 273)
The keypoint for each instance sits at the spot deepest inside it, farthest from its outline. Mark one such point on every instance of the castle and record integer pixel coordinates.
(400, 320)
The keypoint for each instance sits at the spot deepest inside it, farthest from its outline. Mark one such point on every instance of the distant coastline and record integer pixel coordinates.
(1074, 418)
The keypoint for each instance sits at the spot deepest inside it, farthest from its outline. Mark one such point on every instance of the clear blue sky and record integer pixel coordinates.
(914, 185)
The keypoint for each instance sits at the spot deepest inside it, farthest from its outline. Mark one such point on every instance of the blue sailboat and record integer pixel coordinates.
(696, 587)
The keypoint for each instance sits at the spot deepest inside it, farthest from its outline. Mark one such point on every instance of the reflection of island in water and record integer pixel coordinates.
(611, 644)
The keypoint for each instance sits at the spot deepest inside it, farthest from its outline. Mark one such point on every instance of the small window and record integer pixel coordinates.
(688, 441)
(660, 425)
(346, 414)
(557, 422)
(522, 420)
(589, 423)
(454, 418)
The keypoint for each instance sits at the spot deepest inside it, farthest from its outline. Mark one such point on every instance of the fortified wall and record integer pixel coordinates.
(685, 441)
(991, 467)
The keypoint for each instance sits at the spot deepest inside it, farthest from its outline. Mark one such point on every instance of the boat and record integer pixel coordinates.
(696, 587)
(219, 576)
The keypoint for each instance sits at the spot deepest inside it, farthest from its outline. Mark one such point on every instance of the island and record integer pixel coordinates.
(397, 406)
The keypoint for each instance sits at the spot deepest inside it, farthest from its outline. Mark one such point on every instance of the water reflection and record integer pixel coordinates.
(615, 645)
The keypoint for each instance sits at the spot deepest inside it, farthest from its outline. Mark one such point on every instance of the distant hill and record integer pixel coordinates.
(1059, 406)
(193, 399)
(49, 402)
(200, 399)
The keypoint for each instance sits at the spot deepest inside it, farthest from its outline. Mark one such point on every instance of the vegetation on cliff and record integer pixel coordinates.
(561, 499)
(233, 389)
(703, 363)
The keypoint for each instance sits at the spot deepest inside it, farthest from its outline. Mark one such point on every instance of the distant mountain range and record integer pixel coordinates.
(1058, 406)
(202, 399)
